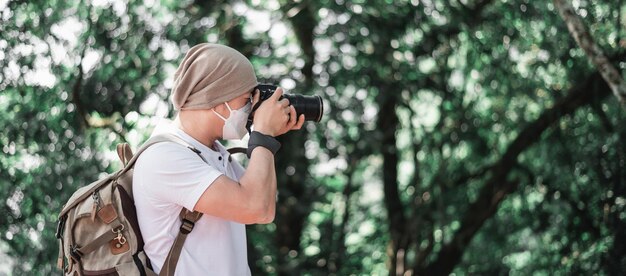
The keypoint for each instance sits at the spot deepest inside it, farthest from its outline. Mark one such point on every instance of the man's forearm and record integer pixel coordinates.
(259, 181)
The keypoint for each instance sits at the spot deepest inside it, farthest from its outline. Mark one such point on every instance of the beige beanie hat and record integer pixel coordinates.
(211, 74)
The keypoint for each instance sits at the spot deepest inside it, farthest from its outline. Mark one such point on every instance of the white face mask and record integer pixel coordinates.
(235, 125)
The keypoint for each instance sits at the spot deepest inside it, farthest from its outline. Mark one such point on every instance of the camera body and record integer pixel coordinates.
(311, 106)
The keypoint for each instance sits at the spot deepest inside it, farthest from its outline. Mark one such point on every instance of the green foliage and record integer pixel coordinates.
(439, 90)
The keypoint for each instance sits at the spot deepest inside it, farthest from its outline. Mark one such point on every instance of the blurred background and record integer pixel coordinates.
(471, 137)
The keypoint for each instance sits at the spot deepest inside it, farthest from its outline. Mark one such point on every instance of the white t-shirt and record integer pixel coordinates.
(169, 176)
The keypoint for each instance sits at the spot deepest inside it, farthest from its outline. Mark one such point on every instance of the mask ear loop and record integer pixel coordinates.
(218, 115)
(230, 111)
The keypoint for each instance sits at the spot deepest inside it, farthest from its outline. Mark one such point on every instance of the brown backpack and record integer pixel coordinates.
(98, 230)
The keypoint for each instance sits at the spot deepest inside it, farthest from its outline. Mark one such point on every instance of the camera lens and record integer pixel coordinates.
(311, 106)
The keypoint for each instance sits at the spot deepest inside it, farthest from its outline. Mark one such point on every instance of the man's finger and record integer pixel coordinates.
(256, 96)
(292, 117)
(277, 94)
(300, 122)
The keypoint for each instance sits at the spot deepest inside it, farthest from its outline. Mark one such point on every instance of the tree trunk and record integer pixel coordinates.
(592, 49)
(388, 125)
(295, 198)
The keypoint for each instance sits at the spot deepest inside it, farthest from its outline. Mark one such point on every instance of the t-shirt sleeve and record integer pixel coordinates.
(170, 173)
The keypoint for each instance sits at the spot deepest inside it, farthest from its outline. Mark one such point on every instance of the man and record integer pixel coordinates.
(213, 93)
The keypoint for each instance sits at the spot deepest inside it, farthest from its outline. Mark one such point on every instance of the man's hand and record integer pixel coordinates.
(275, 117)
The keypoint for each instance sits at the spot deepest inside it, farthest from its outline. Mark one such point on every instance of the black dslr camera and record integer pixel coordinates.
(311, 106)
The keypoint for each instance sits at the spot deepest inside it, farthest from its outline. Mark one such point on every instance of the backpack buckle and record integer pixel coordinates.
(120, 237)
(75, 253)
(186, 226)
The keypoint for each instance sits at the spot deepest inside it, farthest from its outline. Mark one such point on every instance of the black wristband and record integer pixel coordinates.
(259, 139)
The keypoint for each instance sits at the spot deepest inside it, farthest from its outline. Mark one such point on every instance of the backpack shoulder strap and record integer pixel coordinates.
(158, 139)
(189, 219)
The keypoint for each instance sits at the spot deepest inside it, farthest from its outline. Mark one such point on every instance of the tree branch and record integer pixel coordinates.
(76, 95)
(592, 49)
(497, 187)
(84, 121)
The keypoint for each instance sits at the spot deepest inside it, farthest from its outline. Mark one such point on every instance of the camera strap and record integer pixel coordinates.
(235, 150)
